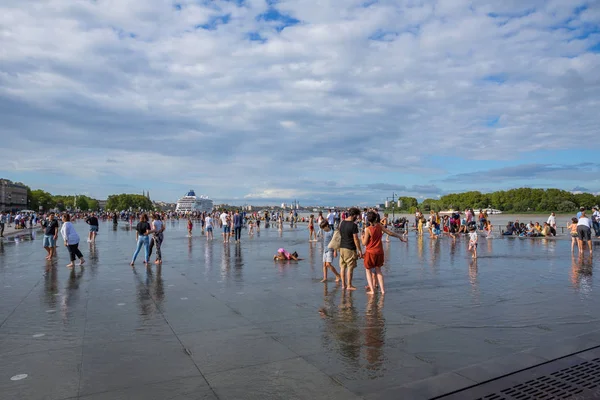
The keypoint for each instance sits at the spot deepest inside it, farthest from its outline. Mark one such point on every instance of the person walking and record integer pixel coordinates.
(209, 227)
(224, 217)
(92, 221)
(71, 239)
(141, 237)
(350, 248)
(238, 221)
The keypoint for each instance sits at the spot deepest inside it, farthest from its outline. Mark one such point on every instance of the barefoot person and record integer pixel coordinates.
(328, 254)
(473, 241)
(157, 237)
(50, 234)
(312, 237)
(209, 227)
(572, 227)
(92, 221)
(350, 249)
(71, 239)
(374, 255)
(141, 237)
(584, 230)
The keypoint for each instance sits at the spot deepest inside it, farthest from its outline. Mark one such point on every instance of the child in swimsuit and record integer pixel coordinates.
(283, 255)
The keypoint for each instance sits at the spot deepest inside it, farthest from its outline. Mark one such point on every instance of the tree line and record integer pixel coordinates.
(514, 200)
(118, 202)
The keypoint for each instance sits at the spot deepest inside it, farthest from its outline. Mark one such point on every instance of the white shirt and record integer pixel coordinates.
(68, 233)
(473, 236)
(585, 221)
(331, 218)
(208, 221)
(223, 218)
(551, 220)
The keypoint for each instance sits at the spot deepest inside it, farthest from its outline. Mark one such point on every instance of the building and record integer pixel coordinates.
(13, 196)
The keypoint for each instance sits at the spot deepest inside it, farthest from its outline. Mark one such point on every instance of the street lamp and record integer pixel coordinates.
(394, 195)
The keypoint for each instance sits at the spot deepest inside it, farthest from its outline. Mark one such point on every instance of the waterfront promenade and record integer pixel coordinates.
(226, 322)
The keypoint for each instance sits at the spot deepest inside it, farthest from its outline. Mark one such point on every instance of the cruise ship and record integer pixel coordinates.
(192, 203)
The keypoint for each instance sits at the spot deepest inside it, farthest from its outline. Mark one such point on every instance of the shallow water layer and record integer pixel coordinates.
(227, 320)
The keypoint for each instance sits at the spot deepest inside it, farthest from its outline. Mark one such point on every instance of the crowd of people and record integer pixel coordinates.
(355, 228)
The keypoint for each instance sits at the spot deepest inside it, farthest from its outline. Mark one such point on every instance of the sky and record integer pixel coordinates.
(322, 101)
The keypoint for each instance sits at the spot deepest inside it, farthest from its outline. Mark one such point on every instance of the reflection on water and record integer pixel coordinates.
(346, 329)
(93, 259)
(225, 261)
(71, 294)
(374, 333)
(51, 284)
(473, 270)
(581, 275)
(434, 249)
(359, 341)
(420, 247)
(208, 257)
(238, 263)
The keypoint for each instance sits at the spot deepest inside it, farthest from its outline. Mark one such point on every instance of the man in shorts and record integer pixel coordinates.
(350, 248)
(92, 221)
(225, 221)
(50, 234)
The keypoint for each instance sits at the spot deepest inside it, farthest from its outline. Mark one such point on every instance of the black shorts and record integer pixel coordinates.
(584, 232)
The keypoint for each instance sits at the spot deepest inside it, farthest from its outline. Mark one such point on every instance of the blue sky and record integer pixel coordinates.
(336, 101)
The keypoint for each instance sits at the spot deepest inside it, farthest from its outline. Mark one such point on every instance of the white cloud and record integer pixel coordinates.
(371, 94)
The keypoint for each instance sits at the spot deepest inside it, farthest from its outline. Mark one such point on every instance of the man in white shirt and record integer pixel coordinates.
(224, 217)
(331, 218)
(552, 220)
(552, 223)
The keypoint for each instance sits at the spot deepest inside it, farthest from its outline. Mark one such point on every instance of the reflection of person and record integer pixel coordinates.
(71, 241)
(374, 333)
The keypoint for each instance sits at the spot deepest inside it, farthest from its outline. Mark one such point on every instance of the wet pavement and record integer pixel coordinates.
(226, 322)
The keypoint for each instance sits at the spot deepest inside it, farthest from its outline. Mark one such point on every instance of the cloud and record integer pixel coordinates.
(529, 172)
(242, 99)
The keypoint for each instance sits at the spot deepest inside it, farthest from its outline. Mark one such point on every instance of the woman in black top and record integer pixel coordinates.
(142, 238)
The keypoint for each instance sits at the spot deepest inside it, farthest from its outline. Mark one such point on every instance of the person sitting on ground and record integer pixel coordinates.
(510, 229)
(546, 230)
(283, 255)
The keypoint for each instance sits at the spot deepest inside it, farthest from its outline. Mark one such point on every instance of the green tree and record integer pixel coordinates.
(82, 203)
(39, 198)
